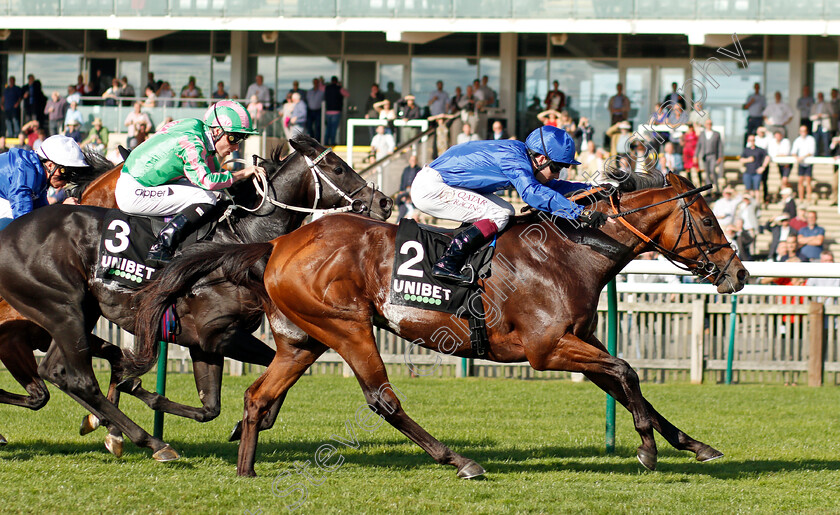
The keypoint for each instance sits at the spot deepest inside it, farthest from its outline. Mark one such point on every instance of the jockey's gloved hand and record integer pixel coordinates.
(592, 219)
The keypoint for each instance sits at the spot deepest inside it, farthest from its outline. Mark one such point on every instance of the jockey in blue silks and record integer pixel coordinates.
(459, 186)
(25, 175)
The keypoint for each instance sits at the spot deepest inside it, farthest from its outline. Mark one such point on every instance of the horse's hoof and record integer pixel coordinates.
(3, 440)
(114, 444)
(471, 470)
(89, 424)
(165, 454)
(129, 385)
(707, 453)
(647, 459)
(236, 434)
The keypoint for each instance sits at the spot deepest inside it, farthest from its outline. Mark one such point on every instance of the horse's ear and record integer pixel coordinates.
(306, 145)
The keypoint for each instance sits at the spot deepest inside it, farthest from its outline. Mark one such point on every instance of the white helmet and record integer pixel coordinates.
(62, 150)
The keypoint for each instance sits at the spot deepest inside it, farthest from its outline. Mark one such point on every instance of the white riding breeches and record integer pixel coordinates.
(436, 198)
(169, 199)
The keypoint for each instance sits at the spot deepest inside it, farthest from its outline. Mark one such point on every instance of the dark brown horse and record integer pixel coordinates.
(217, 322)
(331, 279)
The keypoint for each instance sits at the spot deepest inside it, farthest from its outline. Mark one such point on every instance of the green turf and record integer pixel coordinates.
(540, 441)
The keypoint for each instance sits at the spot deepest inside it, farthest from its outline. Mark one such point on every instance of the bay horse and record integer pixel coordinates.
(54, 285)
(331, 279)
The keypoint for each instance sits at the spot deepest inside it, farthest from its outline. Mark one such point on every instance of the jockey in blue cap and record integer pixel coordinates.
(459, 186)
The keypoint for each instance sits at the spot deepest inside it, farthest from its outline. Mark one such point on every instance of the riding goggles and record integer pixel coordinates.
(235, 138)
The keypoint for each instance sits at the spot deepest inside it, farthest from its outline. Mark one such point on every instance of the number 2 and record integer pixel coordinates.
(405, 268)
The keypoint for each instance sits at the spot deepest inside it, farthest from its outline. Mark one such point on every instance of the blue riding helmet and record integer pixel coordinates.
(553, 143)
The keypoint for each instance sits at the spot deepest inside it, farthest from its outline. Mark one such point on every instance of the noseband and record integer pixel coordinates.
(704, 267)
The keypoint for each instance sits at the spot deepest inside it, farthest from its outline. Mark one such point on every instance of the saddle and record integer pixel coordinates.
(125, 242)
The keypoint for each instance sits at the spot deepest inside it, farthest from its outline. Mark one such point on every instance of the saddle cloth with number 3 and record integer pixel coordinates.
(417, 248)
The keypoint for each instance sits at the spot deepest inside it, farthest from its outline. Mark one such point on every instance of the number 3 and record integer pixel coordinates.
(405, 268)
(120, 241)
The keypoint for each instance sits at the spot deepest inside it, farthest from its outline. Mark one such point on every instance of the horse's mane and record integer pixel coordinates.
(78, 178)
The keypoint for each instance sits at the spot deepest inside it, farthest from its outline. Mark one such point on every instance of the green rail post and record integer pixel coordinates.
(612, 346)
(161, 387)
(730, 354)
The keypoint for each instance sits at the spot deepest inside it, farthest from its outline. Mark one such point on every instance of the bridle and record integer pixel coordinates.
(261, 184)
(703, 267)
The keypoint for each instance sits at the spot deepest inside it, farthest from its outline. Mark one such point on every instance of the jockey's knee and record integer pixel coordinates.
(500, 216)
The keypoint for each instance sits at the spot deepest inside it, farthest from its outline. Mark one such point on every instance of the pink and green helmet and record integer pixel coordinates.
(230, 116)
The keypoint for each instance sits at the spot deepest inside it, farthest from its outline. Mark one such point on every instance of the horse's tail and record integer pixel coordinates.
(235, 262)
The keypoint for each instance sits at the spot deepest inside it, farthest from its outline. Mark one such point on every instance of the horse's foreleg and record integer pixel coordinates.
(575, 355)
(207, 370)
(113, 354)
(677, 438)
(264, 397)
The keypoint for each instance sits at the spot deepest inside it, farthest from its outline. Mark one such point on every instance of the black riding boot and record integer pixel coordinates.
(174, 232)
(448, 267)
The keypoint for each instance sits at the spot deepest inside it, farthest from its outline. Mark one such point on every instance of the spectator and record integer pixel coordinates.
(673, 98)
(81, 87)
(804, 147)
(255, 109)
(710, 153)
(391, 93)
(835, 106)
(591, 163)
(487, 91)
(762, 138)
(55, 110)
(788, 202)
(138, 124)
(288, 107)
(438, 100)
(741, 239)
(112, 94)
(34, 99)
(28, 134)
(73, 115)
(747, 211)
(555, 99)
(755, 105)
(72, 131)
(296, 89)
(697, 117)
(499, 131)
(779, 146)
(791, 248)
(478, 94)
(583, 133)
(404, 206)
(724, 208)
(73, 95)
(670, 160)
(190, 92)
(151, 83)
(387, 113)
(468, 102)
(755, 161)
(334, 95)
(410, 111)
(826, 256)
(41, 135)
(780, 229)
(383, 144)
(97, 138)
(619, 105)
(777, 115)
(151, 98)
(619, 135)
(297, 119)
(126, 91)
(822, 118)
(689, 150)
(803, 105)
(220, 93)
(455, 102)
(165, 94)
(799, 221)
(466, 135)
(811, 238)
(549, 118)
(12, 97)
(314, 99)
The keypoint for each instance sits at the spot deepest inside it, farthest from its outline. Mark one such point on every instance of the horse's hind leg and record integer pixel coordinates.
(264, 397)
(16, 344)
(678, 439)
(575, 355)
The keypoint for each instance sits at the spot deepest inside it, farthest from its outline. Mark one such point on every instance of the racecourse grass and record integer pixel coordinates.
(542, 443)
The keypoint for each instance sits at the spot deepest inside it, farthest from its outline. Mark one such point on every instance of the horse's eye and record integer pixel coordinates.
(338, 170)
(708, 222)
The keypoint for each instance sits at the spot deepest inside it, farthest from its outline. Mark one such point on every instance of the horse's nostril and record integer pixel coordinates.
(742, 275)
(386, 203)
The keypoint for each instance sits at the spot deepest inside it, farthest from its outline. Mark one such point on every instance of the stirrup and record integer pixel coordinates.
(160, 253)
(455, 277)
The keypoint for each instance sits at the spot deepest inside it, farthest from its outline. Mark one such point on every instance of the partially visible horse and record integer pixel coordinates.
(332, 279)
(46, 272)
